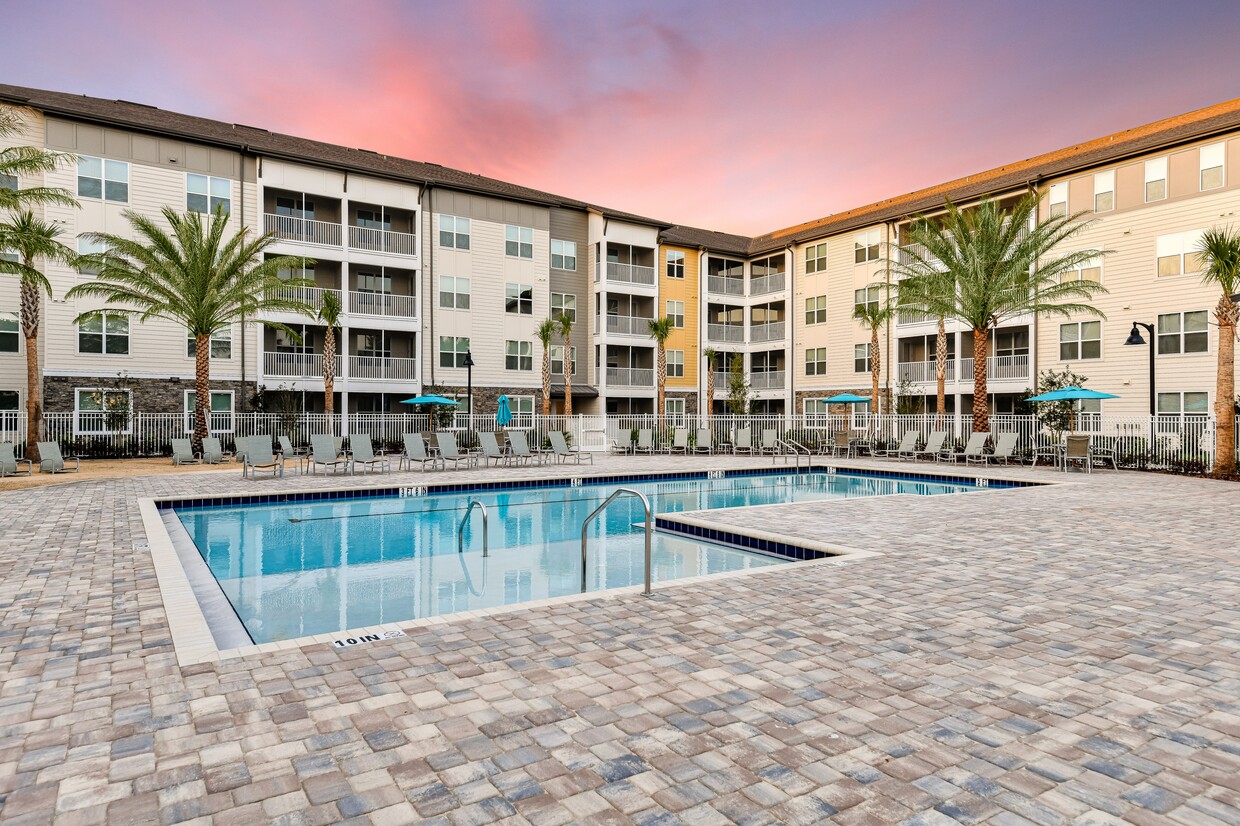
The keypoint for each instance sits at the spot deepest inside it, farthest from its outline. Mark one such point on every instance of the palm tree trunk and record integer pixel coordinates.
(546, 378)
(940, 370)
(30, 311)
(202, 388)
(661, 377)
(876, 365)
(329, 375)
(981, 413)
(568, 377)
(1225, 391)
(710, 390)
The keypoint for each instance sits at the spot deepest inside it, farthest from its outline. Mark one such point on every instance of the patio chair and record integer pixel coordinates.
(624, 447)
(1102, 455)
(934, 445)
(491, 451)
(744, 442)
(259, 456)
(183, 452)
(521, 449)
(703, 444)
(645, 442)
(680, 441)
(50, 460)
(1005, 448)
(363, 451)
(448, 451)
(415, 451)
(563, 452)
(769, 437)
(908, 443)
(289, 452)
(974, 450)
(1049, 451)
(213, 452)
(325, 451)
(1076, 449)
(841, 442)
(9, 462)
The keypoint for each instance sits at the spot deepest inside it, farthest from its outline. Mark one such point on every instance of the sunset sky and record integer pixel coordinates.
(736, 116)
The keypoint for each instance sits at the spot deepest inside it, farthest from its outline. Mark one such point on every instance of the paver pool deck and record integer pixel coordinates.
(1067, 654)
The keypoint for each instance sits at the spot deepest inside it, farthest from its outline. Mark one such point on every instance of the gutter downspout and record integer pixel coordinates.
(245, 401)
(890, 229)
(702, 342)
(790, 358)
(1032, 187)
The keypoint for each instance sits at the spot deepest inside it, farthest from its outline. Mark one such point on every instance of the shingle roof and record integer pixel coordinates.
(714, 241)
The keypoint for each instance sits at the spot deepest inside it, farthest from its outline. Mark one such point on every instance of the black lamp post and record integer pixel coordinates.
(1134, 338)
(469, 382)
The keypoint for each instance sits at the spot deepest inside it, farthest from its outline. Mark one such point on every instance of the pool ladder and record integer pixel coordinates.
(797, 450)
(584, 525)
(460, 529)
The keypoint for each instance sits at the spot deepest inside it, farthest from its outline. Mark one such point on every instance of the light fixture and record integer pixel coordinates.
(1135, 336)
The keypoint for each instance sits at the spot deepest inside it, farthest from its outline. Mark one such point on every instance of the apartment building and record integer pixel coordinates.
(435, 268)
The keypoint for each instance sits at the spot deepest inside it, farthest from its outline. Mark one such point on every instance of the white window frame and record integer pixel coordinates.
(1079, 341)
(1215, 155)
(817, 262)
(866, 345)
(815, 410)
(564, 304)
(452, 225)
(674, 408)
(103, 332)
(567, 253)
(523, 238)
(1180, 333)
(213, 200)
(86, 246)
(455, 292)
(457, 354)
(675, 358)
(1078, 273)
(873, 295)
(524, 352)
(1057, 201)
(106, 167)
(1180, 395)
(559, 348)
(519, 301)
(1179, 245)
(672, 308)
(1155, 171)
(213, 416)
(80, 430)
(218, 337)
(16, 332)
(1104, 184)
(820, 364)
(866, 246)
(675, 265)
(818, 311)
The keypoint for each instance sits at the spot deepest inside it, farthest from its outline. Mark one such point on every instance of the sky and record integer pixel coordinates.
(740, 117)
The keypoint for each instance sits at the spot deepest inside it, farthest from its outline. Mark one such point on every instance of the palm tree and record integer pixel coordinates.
(1220, 254)
(32, 239)
(874, 316)
(194, 276)
(565, 325)
(709, 354)
(17, 161)
(945, 287)
(1001, 265)
(660, 330)
(544, 332)
(329, 315)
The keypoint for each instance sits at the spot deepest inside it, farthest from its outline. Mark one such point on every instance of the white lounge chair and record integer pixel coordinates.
(325, 451)
(743, 442)
(213, 452)
(51, 461)
(934, 445)
(974, 450)
(364, 454)
(703, 442)
(491, 451)
(769, 437)
(448, 451)
(645, 441)
(183, 452)
(9, 462)
(680, 440)
(908, 442)
(415, 451)
(259, 456)
(1005, 448)
(520, 448)
(563, 452)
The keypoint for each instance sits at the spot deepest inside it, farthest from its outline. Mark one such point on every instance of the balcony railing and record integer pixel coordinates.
(293, 365)
(311, 296)
(764, 284)
(305, 230)
(998, 368)
(630, 376)
(629, 325)
(721, 379)
(913, 317)
(770, 380)
(725, 286)
(382, 240)
(383, 304)
(725, 332)
(630, 273)
(923, 371)
(380, 368)
(771, 331)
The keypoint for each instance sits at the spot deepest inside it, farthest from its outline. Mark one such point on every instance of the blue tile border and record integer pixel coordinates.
(748, 543)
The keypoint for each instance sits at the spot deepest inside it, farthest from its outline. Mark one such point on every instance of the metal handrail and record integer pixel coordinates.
(586, 524)
(796, 449)
(460, 529)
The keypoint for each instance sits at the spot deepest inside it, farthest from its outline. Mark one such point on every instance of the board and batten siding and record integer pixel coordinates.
(572, 225)
(688, 290)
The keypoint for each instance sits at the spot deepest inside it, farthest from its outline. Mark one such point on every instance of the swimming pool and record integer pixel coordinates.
(298, 568)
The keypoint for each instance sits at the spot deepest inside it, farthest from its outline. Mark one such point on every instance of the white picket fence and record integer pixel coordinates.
(1178, 441)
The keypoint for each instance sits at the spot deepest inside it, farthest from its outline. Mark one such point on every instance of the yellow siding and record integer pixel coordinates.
(687, 290)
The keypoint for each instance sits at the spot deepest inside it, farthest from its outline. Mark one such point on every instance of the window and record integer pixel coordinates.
(519, 298)
(564, 304)
(816, 361)
(861, 358)
(676, 312)
(99, 178)
(453, 232)
(285, 342)
(1187, 402)
(8, 402)
(297, 207)
(518, 242)
(88, 247)
(104, 333)
(674, 408)
(8, 182)
(1080, 340)
(1104, 191)
(1155, 179)
(816, 258)
(1058, 199)
(815, 407)
(816, 310)
(374, 345)
(206, 194)
(453, 292)
(1177, 253)
(557, 359)
(563, 255)
(865, 246)
(221, 344)
(374, 219)
(519, 355)
(8, 333)
(1184, 332)
(521, 405)
(452, 351)
(675, 264)
(676, 364)
(102, 411)
(374, 282)
(220, 415)
(867, 296)
(1090, 270)
(1211, 166)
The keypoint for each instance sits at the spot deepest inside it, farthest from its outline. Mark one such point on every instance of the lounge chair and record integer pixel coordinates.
(645, 441)
(1076, 449)
(364, 454)
(934, 445)
(448, 451)
(1005, 448)
(744, 441)
(415, 451)
(974, 450)
(183, 452)
(9, 462)
(259, 456)
(703, 443)
(680, 440)
(563, 452)
(50, 460)
(520, 448)
(213, 452)
(769, 437)
(491, 451)
(908, 442)
(325, 451)
(289, 452)
(624, 447)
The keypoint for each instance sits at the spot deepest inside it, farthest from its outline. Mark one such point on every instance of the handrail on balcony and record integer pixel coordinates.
(373, 239)
(305, 230)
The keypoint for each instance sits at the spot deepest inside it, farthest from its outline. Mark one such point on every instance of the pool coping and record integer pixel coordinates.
(194, 642)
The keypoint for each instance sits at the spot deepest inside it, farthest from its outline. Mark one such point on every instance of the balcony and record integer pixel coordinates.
(764, 284)
(630, 377)
(725, 332)
(382, 240)
(629, 325)
(293, 365)
(998, 368)
(767, 332)
(912, 317)
(721, 378)
(383, 304)
(725, 286)
(310, 296)
(770, 380)
(923, 371)
(382, 368)
(302, 230)
(630, 273)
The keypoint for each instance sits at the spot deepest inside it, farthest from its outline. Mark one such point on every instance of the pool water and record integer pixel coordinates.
(301, 568)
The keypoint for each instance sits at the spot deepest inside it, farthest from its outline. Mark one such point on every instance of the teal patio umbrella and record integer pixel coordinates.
(848, 398)
(431, 400)
(504, 415)
(1068, 394)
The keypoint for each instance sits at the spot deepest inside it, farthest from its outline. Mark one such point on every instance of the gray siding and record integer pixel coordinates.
(572, 225)
(117, 144)
(498, 211)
